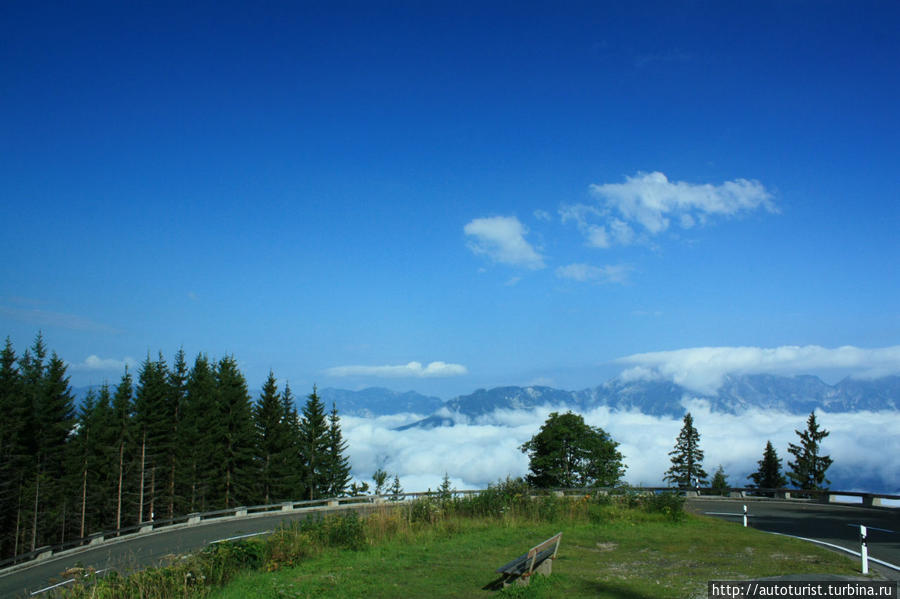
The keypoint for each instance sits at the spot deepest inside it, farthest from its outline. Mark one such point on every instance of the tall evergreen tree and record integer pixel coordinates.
(53, 419)
(177, 392)
(337, 464)
(237, 443)
(293, 481)
(152, 420)
(102, 494)
(122, 410)
(14, 456)
(199, 435)
(687, 457)
(768, 475)
(314, 446)
(272, 440)
(807, 471)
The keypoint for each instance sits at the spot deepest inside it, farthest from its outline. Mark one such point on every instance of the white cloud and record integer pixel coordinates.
(598, 274)
(94, 362)
(542, 215)
(411, 369)
(502, 238)
(703, 369)
(476, 454)
(650, 201)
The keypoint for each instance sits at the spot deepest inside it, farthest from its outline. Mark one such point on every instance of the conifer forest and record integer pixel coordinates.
(167, 440)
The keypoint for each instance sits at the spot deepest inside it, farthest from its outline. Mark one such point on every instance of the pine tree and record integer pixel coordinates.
(293, 459)
(808, 469)
(152, 419)
(102, 494)
(237, 440)
(395, 490)
(687, 457)
(14, 414)
(199, 435)
(337, 468)
(122, 410)
(272, 441)
(768, 476)
(314, 446)
(379, 477)
(177, 392)
(719, 481)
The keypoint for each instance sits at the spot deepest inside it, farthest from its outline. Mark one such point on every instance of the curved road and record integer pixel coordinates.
(837, 524)
(145, 550)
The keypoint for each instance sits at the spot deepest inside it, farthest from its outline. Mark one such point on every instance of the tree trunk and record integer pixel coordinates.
(141, 492)
(37, 486)
(83, 498)
(119, 499)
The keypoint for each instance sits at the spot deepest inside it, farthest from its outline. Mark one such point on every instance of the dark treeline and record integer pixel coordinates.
(167, 441)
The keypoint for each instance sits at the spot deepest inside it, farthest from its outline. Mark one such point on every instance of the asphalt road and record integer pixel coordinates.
(143, 551)
(832, 523)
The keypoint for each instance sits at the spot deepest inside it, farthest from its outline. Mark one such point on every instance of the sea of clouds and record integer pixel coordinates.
(865, 446)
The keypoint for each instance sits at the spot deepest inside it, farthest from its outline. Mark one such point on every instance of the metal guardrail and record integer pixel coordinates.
(827, 496)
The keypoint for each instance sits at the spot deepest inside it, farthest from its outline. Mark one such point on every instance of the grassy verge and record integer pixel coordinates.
(628, 546)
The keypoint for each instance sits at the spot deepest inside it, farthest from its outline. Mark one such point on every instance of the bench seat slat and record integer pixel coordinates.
(520, 565)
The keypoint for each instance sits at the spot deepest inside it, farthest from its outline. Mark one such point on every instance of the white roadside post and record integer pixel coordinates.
(864, 550)
(745, 516)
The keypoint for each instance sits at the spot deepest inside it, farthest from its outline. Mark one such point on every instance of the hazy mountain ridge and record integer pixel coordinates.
(792, 394)
(796, 395)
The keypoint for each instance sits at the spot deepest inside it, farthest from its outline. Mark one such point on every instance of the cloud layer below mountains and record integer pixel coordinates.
(703, 369)
(864, 445)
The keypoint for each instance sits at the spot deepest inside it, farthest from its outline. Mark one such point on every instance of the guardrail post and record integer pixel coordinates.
(193, 519)
(43, 555)
(379, 499)
(287, 506)
(745, 516)
(147, 527)
(96, 539)
(333, 503)
(240, 511)
(864, 549)
(871, 501)
(783, 494)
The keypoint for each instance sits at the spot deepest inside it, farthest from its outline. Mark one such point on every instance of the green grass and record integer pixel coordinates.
(629, 557)
(631, 546)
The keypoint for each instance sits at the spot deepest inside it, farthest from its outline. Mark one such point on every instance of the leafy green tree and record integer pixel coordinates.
(719, 482)
(687, 457)
(337, 464)
(807, 471)
(768, 476)
(568, 453)
(314, 446)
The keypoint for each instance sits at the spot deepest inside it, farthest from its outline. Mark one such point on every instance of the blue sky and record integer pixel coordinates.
(512, 194)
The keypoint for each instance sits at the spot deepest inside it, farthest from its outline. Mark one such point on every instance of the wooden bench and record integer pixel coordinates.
(538, 559)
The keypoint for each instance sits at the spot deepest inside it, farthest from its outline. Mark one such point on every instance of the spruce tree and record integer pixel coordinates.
(14, 413)
(807, 471)
(237, 441)
(293, 459)
(768, 476)
(337, 467)
(272, 441)
(687, 457)
(199, 434)
(152, 419)
(314, 446)
(177, 392)
(719, 481)
(122, 410)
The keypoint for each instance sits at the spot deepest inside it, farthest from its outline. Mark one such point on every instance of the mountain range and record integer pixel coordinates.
(796, 394)
(799, 394)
